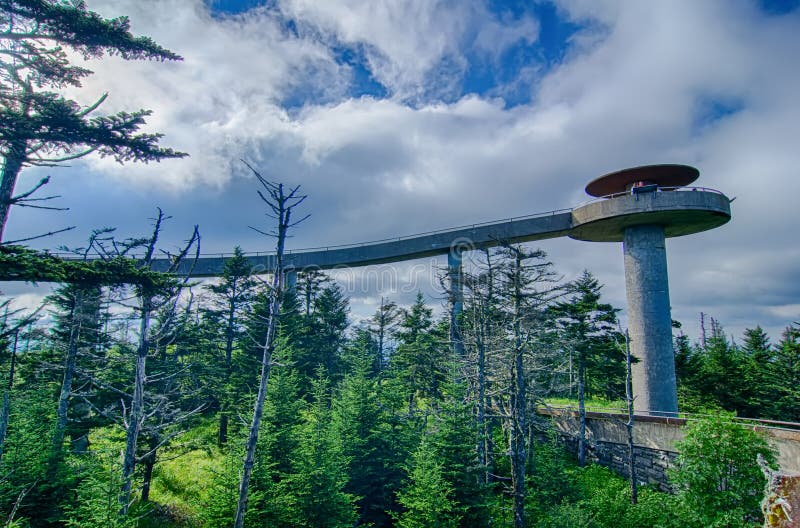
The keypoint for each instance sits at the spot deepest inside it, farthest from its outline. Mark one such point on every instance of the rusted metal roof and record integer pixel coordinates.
(661, 175)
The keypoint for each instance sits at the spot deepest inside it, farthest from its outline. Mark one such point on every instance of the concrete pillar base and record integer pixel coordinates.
(456, 295)
(650, 321)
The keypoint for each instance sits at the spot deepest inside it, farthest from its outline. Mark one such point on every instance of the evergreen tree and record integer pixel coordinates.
(427, 497)
(685, 367)
(588, 332)
(420, 361)
(362, 346)
(328, 325)
(382, 325)
(785, 374)
(320, 477)
(232, 297)
(359, 419)
(40, 127)
(758, 362)
(453, 434)
(722, 371)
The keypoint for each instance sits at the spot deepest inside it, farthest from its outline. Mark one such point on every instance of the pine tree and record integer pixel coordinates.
(383, 325)
(758, 358)
(320, 475)
(427, 497)
(453, 434)
(722, 371)
(40, 127)
(785, 374)
(328, 325)
(233, 296)
(588, 332)
(420, 361)
(358, 421)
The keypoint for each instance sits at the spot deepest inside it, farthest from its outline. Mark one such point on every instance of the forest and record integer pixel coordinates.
(369, 423)
(138, 396)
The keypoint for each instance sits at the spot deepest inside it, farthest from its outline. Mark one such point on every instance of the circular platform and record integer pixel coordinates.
(661, 175)
(680, 213)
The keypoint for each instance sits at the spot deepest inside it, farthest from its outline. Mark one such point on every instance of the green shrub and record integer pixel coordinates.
(717, 477)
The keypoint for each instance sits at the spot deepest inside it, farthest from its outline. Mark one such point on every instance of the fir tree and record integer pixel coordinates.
(320, 475)
(358, 418)
(232, 297)
(785, 374)
(40, 127)
(427, 497)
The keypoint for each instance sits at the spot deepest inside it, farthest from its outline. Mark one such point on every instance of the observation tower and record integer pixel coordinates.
(641, 207)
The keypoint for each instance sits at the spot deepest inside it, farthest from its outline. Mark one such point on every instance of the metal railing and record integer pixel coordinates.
(659, 189)
(224, 255)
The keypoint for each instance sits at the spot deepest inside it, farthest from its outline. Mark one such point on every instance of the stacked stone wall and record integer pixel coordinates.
(655, 440)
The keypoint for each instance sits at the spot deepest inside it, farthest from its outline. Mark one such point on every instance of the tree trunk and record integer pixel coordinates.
(629, 424)
(519, 407)
(483, 458)
(486, 333)
(517, 442)
(7, 397)
(149, 462)
(76, 320)
(581, 410)
(11, 168)
(258, 411)
(136, 415)
(222, 437)
(281, 205)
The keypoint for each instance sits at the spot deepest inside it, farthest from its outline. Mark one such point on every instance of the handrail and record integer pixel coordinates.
(371, 242)
(682, 188)
(554, 212)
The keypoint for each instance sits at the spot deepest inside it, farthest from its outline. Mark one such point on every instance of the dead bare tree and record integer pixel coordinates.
(629, 423)
(9, 331)
(479, 336)
(151, 297)
(81, 316)
(527, 290)
(281, 202)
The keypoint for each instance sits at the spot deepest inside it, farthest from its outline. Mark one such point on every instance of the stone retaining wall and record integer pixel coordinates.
(655, 441)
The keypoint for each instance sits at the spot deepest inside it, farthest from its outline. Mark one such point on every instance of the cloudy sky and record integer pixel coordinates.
(402, 116)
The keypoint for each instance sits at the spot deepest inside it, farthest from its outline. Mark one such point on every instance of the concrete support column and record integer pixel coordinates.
(291, 280)
(456, 297)
(649, 320)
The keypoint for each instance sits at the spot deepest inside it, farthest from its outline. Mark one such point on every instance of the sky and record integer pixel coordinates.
(404, 116)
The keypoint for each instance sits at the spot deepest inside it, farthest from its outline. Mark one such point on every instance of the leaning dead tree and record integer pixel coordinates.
(150, 297)
(280, 202)
(82, 303)
(11, 322)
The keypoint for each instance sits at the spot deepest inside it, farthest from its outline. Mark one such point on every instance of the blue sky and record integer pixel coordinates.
(503, 75)
(402, 116)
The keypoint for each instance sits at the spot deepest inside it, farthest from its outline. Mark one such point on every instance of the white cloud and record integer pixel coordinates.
(628, 93)
(415, 48)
